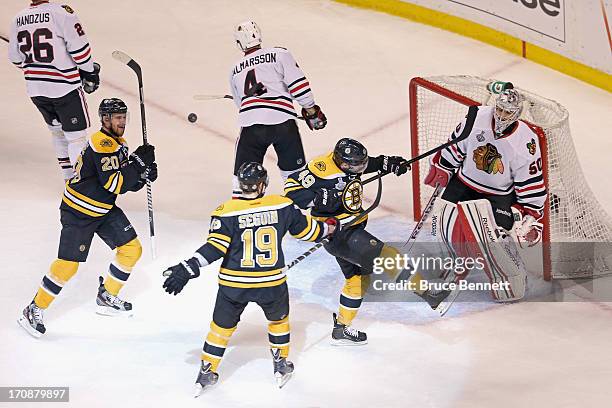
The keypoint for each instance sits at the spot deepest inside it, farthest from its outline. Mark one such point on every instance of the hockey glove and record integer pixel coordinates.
(437, 173)
(393, 164)
(143, 156)
(314, 117)
(326, 201)
(177, 276)
(333, 226)
(90, 80)
(527, 225)
(151, 172)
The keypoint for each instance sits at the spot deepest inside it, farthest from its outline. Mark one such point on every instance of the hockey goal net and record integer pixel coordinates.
(577, 231)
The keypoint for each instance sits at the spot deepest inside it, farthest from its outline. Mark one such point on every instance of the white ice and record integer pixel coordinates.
(359, 64)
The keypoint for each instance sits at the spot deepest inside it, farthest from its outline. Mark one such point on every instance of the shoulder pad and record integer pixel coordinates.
(101, 143)
(324, 166)
(68, 9)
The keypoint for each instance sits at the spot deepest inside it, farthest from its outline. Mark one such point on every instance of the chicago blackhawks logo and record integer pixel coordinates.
(531, 146)
(352, 196)
(488, 159)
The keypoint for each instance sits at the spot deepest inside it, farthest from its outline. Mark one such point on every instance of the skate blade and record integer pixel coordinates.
(281, 380)
(23, 322)
(109, 311)
(197, 390)
(445, 306)
(344, 342)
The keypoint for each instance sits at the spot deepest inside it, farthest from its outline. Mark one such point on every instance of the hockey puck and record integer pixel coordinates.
(192, 117)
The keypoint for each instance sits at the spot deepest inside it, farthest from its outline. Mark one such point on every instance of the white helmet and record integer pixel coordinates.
(508, 108)
(247, 35)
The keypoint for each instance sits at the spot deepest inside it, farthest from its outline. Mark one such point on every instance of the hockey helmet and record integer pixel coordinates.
(350, 156)
(110, 106)
(247, 35)
(508, 108)
(251, 175)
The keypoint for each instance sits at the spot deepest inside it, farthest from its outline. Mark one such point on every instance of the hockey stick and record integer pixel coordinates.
(127, 60)
(325, 240)
(4, 38)
(213, 97)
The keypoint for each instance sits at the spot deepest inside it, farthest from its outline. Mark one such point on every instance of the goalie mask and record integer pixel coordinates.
(251, 176)
(350, 156)
(247, 35)
(508, 108)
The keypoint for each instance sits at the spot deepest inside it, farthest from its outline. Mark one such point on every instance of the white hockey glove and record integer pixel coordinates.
(527, 225)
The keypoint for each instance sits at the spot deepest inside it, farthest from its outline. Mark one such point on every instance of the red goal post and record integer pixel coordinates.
(573, 219)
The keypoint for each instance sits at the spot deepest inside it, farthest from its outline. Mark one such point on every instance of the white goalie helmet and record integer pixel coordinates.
(508, 108)
(247, 35)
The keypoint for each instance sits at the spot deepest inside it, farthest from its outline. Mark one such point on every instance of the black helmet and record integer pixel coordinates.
(251, 175)
(350, 156)
(110, 106)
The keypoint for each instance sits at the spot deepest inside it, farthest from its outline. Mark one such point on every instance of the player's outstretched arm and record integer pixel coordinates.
(387, 164)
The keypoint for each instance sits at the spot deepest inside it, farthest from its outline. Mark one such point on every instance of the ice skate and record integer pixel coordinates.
(32, 320)
(343, 335)
(206, 378)
(283, 368)
(110, 305)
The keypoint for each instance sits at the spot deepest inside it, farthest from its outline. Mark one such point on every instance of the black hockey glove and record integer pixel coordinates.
(143, 156)
(151, 172)
(326, 201)
(177, 276)
(90, 80)
(393, 164)
(314, 117)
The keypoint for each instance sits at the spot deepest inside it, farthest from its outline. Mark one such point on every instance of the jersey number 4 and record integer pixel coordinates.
(266, 242)
(252, 87)
(34, 47)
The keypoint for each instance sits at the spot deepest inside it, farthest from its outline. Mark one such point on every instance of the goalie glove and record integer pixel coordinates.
(314, 117)
(177, 276)
(438, 174)
(527, 225)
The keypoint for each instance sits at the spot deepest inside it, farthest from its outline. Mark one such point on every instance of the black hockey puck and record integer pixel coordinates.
(192, 117)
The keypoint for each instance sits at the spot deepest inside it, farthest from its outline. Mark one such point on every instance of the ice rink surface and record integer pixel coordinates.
(359, 64)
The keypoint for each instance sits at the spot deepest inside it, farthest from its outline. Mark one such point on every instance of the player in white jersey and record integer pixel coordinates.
(264, 84)
(48, 43)
(499, 161)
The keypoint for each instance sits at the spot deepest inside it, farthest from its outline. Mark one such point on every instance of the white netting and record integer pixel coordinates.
(574, 215)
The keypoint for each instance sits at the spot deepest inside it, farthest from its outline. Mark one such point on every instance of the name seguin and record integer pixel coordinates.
(33, 19)
(258, 219)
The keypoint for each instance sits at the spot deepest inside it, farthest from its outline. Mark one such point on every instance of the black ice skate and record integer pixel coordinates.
(433, 297)
(206, 378)
(32, 320)
(110, 305)
(343, 335)
(283, 368)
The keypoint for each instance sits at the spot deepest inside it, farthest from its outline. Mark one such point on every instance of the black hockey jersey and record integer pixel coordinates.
(322, 172)
(248, 235)
(102, 172)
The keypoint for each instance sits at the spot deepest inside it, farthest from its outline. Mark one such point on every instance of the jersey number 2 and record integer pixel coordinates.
(266, 242)
(42, 51)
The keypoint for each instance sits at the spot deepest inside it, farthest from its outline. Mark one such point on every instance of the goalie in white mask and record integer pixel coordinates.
(494, 191)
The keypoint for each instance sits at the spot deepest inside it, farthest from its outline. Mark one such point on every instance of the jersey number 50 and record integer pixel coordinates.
(266, 242)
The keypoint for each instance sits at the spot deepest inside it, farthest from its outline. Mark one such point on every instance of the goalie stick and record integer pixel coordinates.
(127, 60)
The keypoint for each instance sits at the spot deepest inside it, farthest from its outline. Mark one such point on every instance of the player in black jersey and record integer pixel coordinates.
(331, 187)
(103, 170)
(247, 233)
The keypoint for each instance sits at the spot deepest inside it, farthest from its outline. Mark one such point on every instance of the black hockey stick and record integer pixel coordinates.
(325, 240)
(127, 60)
(466, 132)
(213, 97)
(4, 38)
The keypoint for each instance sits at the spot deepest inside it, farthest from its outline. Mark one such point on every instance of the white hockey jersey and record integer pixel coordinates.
(498, 166)
(283, 80)
(48, 43)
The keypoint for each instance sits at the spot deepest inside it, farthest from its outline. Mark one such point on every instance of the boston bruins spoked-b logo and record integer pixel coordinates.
(352, 196)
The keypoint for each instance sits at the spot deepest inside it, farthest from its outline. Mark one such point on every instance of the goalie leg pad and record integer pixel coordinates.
(502, 264)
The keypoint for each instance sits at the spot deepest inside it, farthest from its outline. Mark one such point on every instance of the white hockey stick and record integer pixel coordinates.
(211, 97)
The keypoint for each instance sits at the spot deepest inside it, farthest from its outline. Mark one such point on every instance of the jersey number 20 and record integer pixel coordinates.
(266, 242)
